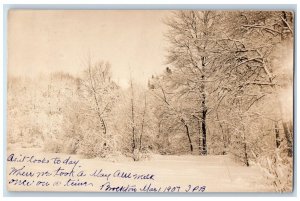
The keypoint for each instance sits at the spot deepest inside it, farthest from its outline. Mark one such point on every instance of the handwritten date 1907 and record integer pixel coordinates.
(168, 189)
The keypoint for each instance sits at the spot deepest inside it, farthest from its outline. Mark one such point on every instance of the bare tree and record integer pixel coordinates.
(171, 111)
(98, 93)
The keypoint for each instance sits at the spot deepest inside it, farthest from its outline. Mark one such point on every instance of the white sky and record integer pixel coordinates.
(48, 41)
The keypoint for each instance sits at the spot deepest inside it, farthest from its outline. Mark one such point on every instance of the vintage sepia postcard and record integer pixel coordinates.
(150, 101)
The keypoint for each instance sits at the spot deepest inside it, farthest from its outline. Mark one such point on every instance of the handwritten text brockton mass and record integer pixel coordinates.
(32, 173)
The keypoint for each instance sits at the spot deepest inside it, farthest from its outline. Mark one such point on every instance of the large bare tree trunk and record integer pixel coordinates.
(277, 137)
(203, 110)
(188, 135)
(246, 159)
(200, 136)
(204, 146)
(245, 150)
(224, 138)
(288, 136)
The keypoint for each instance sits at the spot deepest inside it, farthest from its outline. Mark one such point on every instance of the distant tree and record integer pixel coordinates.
(98, 88)
(88, 114)
(174, 115)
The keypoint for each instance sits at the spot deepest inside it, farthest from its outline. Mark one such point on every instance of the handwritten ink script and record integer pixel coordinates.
(67, 173)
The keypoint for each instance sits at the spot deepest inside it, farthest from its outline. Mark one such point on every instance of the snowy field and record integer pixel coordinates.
(169, 173)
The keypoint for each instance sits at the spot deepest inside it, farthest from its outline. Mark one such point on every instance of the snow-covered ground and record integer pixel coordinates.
(185, 173)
